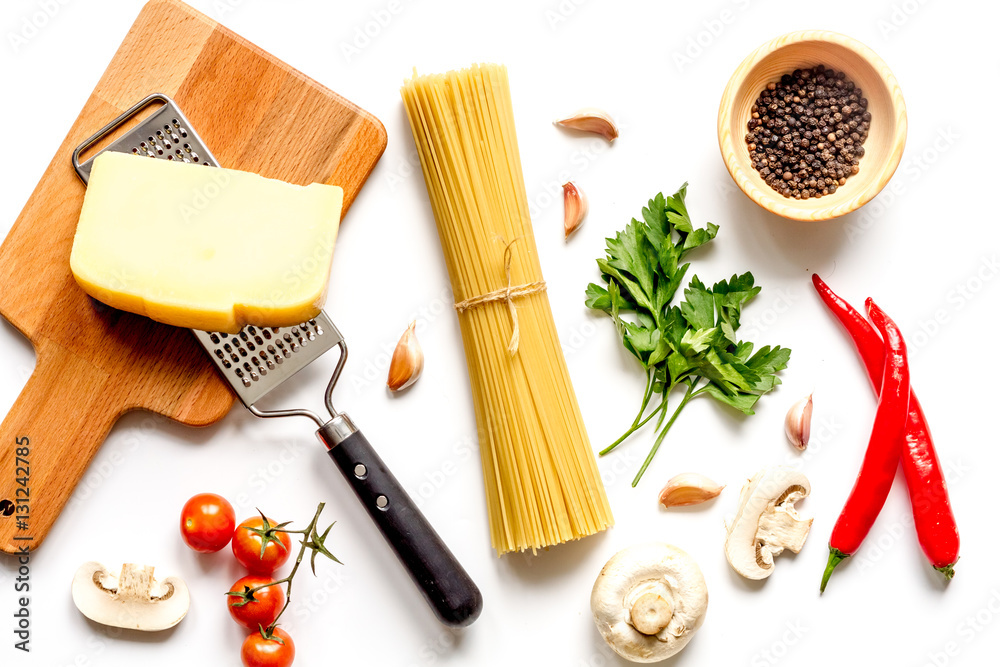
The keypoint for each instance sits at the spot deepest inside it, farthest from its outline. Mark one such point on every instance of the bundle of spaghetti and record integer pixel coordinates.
(542, 482)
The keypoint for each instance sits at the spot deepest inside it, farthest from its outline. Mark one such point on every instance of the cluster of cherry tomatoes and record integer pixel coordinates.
(208, 524)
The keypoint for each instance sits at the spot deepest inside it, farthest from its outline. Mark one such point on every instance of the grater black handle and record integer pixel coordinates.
(441, 578)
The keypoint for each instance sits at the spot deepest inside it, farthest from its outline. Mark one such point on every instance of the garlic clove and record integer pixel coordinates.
(592, 120)
(575, 207)
(797, 422)
(689, 488)
(407, 361)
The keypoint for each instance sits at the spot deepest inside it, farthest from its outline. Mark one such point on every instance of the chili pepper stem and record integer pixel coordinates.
(836, 556)
(947, 570)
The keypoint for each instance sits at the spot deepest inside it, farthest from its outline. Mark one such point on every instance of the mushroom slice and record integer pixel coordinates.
(133, 600)
(648, 601)
(766, 523)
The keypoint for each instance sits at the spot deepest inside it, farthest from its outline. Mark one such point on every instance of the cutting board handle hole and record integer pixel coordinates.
(6, 507)
(20, 360)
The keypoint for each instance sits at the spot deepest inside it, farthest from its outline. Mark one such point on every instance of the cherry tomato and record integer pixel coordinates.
(260, 652)
(246, 546)
(207, 522)
(262, 609)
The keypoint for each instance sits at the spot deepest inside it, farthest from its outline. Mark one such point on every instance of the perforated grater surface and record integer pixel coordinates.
(260, 359)
(257, 360)
(165, 134)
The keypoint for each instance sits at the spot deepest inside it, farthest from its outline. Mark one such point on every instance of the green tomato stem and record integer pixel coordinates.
(295, 568)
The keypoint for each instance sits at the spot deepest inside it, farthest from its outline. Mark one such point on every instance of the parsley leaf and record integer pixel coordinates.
(693, 345)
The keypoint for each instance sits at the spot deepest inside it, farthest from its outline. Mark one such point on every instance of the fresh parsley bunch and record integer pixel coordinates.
(693, 345)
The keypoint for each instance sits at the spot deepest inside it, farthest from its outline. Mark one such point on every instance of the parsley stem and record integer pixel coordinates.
(664, 401)
(688, 395)
(635, 427)
(638, 422)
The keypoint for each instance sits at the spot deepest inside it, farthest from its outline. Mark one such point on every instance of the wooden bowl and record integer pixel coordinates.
(886, 136)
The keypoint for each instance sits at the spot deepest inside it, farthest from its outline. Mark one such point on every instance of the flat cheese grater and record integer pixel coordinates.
(257, 360)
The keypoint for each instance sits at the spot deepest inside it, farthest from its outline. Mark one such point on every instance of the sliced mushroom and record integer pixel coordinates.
(766, 523)
(648, 601)
(132, 600)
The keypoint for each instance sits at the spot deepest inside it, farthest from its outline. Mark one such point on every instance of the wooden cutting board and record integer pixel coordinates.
(94, 364)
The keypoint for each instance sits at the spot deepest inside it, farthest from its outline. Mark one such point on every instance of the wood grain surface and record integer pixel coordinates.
(94, 364)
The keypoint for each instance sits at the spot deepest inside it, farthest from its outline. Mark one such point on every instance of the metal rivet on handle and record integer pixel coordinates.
(360, 471)
(382, 502)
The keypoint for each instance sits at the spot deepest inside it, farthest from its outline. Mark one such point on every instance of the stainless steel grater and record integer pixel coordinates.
(257, 360)
(166, 134)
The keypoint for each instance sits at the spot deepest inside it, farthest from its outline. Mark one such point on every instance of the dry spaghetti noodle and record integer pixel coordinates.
(542, 482)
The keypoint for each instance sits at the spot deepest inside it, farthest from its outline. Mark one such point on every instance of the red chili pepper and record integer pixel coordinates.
(932, 514)
(882, 456)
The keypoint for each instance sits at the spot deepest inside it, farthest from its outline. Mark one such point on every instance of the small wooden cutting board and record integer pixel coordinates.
(94, 364)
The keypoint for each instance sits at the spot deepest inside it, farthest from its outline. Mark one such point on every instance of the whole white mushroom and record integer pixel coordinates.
(648, 601)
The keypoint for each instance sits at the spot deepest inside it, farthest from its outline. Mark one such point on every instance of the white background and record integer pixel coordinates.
(927, 253)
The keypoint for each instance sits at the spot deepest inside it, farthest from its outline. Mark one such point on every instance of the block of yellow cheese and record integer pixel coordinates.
(204, 247)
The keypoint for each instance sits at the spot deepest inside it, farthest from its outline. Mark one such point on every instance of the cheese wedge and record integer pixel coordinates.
(203, 247)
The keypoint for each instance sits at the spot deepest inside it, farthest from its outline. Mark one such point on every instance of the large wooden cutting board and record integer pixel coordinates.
(95, 364)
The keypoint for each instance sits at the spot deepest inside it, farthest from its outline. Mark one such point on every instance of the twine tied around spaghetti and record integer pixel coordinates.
(508, 294)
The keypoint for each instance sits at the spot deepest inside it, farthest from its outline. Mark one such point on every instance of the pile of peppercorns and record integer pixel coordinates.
(806, 132)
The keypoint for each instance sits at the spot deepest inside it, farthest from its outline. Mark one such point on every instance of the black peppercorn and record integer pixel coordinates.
(806, 131)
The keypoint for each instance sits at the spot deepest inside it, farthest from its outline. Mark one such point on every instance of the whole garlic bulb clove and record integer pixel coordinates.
(407, 361)
(798, 421)
(689, 488)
